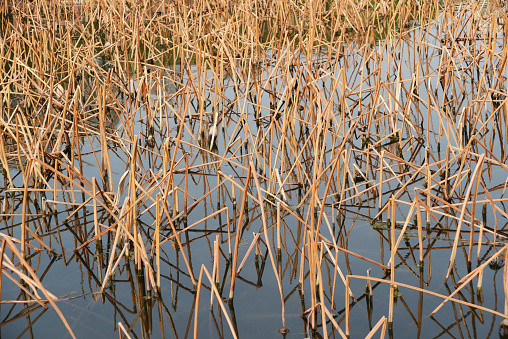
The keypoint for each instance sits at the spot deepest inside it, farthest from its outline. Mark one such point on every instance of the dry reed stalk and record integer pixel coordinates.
(112, 267)
(392, 263)
(109, 269)
(4, 161)
(473, 208)
(72, 181)
(230, 253)
(332, 320)
(428, 188)
(215, 270)
(355, 254)
(420, 230)
(301, 277)
(158, 242)
(29, 269)
(337, 268)
(123, 330)
(491, 201)
(447, 174)
(406, 223)
(479, 285)
(347, 306)
(253, 243)
(281, 186)
(446, 205)
(220, 302)
(2, 253)
(463, 210)
(95, 218)
(265, 232)
(105, 161)
(329, 182)
(278, 221)
(369, 285)
(195, 203)
(239, 231)
(399, 284)
(150, 280)
(196, 307)
(380, 189)
(35, 236)
(480, 236)
(175, 235)
(505, 285)
(464, 281)
(132, 189)
(380, 323)
(314, 279)
(187, 186)
(23, 217)
(27, 281)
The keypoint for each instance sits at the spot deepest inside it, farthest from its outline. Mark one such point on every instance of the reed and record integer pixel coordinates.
(355, 132)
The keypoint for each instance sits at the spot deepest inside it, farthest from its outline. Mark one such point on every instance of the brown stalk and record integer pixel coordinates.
(398, 284)
(253, 243)
(392, 263)
(189, 267)
(158, 242)
(464, 281)
(196, 307)
(219, 300)
(380, 323)
(239, 231)
(265, 232)
(29, 269)
(123, 330)
(420, 230)
(462, 212)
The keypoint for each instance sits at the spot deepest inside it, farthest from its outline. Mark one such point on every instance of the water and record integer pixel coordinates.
(281, 114)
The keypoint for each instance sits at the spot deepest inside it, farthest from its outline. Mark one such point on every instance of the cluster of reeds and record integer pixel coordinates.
(172, 146)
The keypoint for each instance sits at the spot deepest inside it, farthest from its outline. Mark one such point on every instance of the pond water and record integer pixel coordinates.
(325, 140)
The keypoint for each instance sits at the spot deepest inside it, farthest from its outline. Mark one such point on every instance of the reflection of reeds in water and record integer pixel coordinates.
(177, 147)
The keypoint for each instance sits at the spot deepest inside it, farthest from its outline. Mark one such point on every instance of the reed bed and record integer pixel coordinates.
(218, 169)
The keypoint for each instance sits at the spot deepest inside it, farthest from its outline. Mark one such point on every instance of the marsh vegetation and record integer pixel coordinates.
(253, 168)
